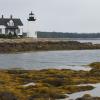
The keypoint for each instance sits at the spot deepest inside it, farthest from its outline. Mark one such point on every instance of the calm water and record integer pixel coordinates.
(95, 92)
(50, 59)
(82, 40)
(92, 40)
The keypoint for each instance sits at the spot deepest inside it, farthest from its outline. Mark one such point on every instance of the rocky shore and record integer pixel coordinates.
(47, 84)
(30, 44)
(88, 97)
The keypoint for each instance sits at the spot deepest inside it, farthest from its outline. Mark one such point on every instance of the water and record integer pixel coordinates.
(82, 40)
(95, 92)
(75, 59)
(94, 41)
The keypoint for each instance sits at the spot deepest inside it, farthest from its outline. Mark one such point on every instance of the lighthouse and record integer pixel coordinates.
(32, 26)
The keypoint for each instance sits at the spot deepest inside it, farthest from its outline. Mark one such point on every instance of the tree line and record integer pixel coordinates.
(67, 35)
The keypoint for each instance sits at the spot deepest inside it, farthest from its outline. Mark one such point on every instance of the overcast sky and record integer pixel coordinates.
(57, 15)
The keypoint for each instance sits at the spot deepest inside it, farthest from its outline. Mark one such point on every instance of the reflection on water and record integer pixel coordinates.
(50, 59)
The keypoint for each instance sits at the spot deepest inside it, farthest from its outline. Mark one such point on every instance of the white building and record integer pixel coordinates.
(11, 25)
(32, 26)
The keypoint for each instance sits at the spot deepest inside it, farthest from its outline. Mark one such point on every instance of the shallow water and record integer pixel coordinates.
(53, 59)
(50, 59)
(94, 41)
(95, 92)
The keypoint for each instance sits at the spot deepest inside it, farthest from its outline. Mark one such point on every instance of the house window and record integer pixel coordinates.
(10, 23)
(0, 31)
(18, 30)
(6, 31)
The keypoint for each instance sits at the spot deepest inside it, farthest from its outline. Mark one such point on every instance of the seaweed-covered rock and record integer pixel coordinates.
(88, 97)
(95, 65)
(7, 96)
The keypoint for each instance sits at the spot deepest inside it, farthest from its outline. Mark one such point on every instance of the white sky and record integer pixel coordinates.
(57, 15)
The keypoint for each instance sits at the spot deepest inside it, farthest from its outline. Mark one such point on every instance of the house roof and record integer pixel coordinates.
(17, 21)
(12, 27)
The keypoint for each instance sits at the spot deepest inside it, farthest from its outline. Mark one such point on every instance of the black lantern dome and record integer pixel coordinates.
(31, 17)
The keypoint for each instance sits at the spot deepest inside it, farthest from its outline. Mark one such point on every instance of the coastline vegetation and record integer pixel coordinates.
(48, 83)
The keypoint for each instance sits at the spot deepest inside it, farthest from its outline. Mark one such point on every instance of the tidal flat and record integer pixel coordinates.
(47, 83)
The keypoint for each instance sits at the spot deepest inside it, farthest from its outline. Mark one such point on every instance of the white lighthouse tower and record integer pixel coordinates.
(32, 26)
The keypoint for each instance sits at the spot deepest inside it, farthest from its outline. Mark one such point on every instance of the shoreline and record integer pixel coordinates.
(30, 44)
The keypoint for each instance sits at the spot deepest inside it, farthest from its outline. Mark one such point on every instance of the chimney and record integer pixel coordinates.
(2, 16)
(11, 16)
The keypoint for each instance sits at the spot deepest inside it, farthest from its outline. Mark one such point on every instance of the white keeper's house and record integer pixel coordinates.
(15, 26)
(11, 25)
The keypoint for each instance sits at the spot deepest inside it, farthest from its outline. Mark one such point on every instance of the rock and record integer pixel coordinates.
(88, 97)
(29, 84)
(7, 96)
